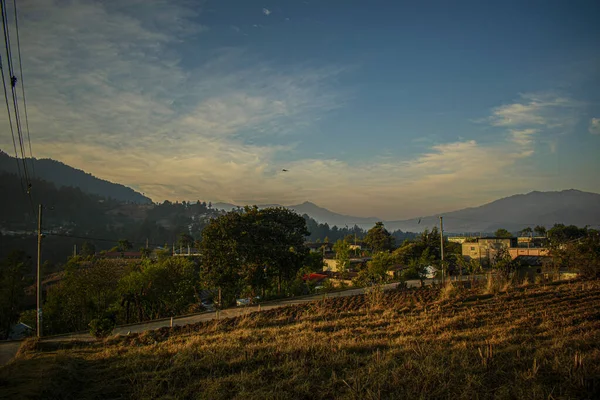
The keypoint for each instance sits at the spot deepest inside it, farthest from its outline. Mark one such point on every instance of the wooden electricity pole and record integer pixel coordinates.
(39, 267)
(442, 249)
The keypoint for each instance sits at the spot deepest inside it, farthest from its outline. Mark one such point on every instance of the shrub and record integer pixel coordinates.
(101, 327)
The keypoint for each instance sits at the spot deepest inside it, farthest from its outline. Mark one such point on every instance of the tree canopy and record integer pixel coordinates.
(379, 239)
(253, 251)
(502, 233)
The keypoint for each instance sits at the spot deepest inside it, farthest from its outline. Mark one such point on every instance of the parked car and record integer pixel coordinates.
(430, 272)
(247, 301)
(208, 306)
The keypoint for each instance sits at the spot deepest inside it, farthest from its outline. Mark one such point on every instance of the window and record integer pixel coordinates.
(472, 248)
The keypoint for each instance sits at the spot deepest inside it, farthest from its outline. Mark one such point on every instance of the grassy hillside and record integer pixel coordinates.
(540, 341)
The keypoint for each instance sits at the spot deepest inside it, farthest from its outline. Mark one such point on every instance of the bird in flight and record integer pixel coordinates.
(284, 170)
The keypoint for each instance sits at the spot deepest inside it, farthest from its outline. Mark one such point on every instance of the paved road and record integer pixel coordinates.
(9, 349)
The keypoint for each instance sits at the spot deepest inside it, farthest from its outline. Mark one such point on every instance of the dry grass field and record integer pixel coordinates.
(529, 342)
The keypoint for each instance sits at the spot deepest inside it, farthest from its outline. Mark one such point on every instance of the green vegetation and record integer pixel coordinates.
(534, 342)
(12, 284)
(503, 233)
(126, 292)
(379, 239)
(253, 252)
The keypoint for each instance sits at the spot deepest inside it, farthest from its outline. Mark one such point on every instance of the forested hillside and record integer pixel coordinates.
(64, 175)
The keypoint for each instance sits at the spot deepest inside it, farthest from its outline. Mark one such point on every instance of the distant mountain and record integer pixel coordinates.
(515, 213)
(323, 215)
(63, 175)
(320, 214)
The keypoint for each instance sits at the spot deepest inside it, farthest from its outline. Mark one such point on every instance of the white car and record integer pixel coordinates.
(246, 301)
(430, 272)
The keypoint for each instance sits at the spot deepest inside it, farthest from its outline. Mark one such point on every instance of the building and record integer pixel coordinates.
(457, 239)
(485, 249)
(355, 264)
(319, 247)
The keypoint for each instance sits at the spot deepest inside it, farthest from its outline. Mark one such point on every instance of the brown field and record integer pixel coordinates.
(532, 342)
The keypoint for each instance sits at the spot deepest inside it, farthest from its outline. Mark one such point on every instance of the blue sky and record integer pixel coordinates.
(387, 108)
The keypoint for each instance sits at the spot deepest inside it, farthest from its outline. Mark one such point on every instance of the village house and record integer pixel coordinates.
(485, 249)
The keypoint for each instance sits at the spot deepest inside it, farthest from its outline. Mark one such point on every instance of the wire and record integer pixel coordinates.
(13, 83)
(23, 86)
(11, 125)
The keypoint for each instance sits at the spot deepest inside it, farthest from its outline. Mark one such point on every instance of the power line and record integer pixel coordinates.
(13, 83)
(12, 132)
(23, 85)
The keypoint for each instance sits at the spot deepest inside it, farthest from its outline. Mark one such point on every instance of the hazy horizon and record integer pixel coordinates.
(387, 109)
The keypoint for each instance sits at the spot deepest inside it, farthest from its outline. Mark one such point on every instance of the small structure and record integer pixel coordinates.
(396, 271)
(319, 247)
(20, 331)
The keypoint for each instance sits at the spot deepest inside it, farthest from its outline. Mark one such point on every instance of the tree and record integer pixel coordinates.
(342, 255)
(576, 248)
(124, 245)
(379, 239)
(86, 292)
(377, 269)
(12, 284)
(526, 232)
(185, 240)
(314, 262)
(88, 249)
(503, 262)
(540, 230)
(502, 233)
(560, 234)
(159, 289)
(146, 252)
(253, 251)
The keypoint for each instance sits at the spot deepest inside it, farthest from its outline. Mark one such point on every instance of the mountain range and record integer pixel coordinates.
(64, 175)
(513, 213)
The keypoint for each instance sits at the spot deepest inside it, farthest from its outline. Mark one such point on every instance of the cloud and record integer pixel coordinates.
(534, 109)
(535, 117)
(266, 11)
(108, 92)
(594, 128)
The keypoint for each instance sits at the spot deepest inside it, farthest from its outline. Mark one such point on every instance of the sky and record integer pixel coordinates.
(392, 109)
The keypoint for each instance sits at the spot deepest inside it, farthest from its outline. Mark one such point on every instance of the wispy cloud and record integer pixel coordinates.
(108, 93)
(594, 127)
(534, 109)
(266, 11)
(535, 116)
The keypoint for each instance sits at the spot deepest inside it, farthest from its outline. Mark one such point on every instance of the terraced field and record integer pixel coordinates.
(534, 342)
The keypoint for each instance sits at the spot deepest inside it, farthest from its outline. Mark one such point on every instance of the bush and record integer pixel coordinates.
(102, 327)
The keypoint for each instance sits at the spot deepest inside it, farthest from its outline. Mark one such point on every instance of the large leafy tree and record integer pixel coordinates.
(379, 239)
(13, 270)
(540, 230)
(252, 251)
(159, 289)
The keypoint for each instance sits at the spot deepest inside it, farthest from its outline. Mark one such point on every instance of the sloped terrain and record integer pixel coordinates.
(540, 341)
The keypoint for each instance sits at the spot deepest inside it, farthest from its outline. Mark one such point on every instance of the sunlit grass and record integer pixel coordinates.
(534, 341)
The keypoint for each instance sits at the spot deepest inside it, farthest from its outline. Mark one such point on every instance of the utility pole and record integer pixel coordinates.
(39, 267)
(442, 249)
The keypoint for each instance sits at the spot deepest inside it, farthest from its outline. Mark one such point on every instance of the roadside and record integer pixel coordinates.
(9, 349)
